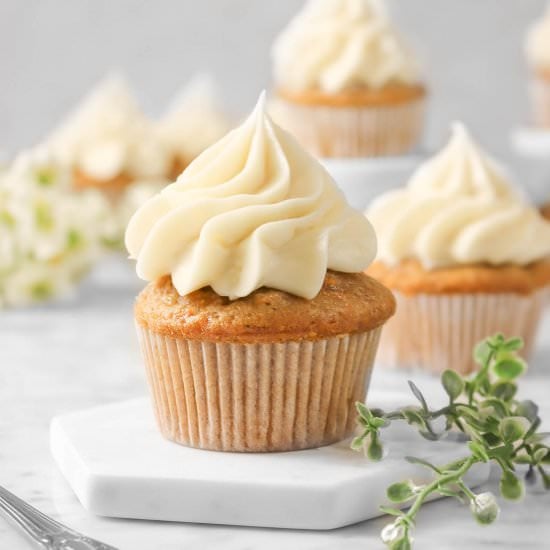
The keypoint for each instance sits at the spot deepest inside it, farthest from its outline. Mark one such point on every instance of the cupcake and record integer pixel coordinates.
(345, 83)
(465, 257)
(538, 57)
(109, 143)
(193, 122)
(258, 328)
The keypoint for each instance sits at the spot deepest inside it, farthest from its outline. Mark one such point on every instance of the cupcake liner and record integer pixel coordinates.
(257, 397)
(540, 100)
(363, 131)
(438, 332)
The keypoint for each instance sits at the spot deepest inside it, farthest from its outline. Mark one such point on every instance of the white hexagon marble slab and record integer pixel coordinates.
(119, 466)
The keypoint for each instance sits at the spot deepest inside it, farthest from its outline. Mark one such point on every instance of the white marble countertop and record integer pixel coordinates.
(81, 353)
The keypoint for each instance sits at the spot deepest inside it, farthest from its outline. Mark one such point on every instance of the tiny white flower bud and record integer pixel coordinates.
(392, 532)
(484, 507)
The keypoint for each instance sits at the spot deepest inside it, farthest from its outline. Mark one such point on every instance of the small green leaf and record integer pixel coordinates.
(45, 176)
(514, 344)
(418, 394)
(390, 511)
(504, 390)
(422, 462)
(509, 367)
(363, 410)
(453, 384)
(540, 454)
(400, 492)
(43, 217)
(74, 239)
(478, 451)
(378, 423)
(527, 409)
(482, 352)
(41, 290)
(513, 428)
(374, 449)
(511, 487)
(357, 443)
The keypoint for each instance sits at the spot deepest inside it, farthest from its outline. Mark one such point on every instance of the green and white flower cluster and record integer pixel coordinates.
(50, 236)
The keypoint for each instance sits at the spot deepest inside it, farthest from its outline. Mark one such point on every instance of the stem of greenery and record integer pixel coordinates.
(498, 429)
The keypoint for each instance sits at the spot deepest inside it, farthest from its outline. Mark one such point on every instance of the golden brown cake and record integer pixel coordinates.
(258, 328)
(347, 303)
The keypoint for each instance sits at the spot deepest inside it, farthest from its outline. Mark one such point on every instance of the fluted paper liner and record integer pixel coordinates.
(257, 397)
(365, 131)
(438, 332)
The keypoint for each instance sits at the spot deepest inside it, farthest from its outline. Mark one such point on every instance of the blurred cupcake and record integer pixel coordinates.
(538, 57)
(193, 122)
(346, 85)
(109, 143)
(50, 236)
(258, 329)
(465, 257)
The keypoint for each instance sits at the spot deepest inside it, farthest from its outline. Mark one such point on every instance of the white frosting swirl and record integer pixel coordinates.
(458, 208)
(253, 210)
(194, 121)
(109, 135)
(538, 42)
(335, 45)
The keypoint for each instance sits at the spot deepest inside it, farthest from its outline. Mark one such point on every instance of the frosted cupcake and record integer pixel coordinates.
(465, 257)
(108, 142)
(258, 329)
(193, 122)
(538, 57)
(346, 84)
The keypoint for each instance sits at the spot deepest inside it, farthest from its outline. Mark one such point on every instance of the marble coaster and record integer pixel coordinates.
(119, 466)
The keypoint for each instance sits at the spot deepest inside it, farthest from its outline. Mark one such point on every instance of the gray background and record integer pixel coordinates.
(52, 51)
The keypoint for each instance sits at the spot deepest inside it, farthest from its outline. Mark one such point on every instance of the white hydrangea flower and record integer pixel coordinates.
(50, 235)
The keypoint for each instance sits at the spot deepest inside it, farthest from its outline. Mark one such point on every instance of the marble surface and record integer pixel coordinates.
(82, 353)
(119, 465)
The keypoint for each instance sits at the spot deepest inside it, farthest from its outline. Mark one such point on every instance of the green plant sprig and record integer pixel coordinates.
(498, 428)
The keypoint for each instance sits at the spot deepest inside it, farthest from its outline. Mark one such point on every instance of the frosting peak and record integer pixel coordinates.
(461, 169)
(458, 208)
(108, 135)
(335, 45)
(253, 210)
(194, 120)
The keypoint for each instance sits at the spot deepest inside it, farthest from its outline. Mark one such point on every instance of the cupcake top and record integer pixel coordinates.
(194, 120)
(108, 135)
(538, 43)
(458, 209)
(254, 210)
(338, 45)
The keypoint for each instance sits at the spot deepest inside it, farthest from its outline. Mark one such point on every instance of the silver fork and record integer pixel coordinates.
(43, 530)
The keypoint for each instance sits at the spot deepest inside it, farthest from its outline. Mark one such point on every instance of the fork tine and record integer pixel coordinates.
(36, 516)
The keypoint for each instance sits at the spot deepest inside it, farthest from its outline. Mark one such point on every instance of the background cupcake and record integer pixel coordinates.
(193, 122)
(538, 56)
(109, 143)
(250, 343)
(465, 257)
(345, 83)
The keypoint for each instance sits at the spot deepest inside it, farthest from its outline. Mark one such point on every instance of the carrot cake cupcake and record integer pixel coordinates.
(193, 122)
(258, 327)
(538, 56)
(465, 257)
(108, 142)
(345, 83)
